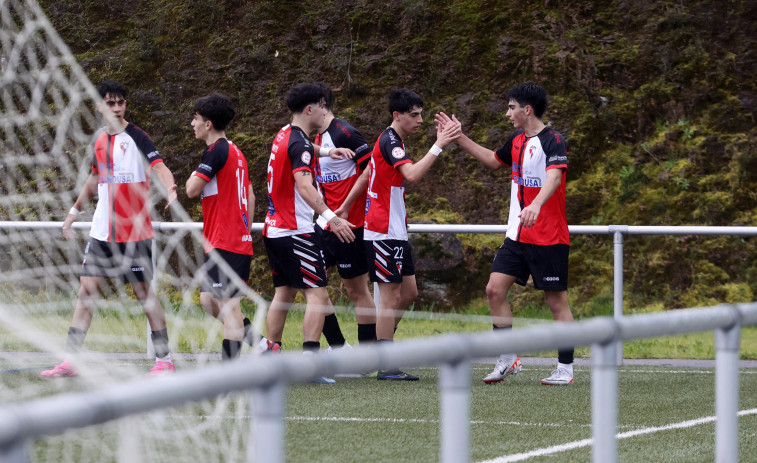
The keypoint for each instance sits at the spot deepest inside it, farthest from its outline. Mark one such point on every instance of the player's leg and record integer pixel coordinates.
(283, 298)
(508, 268)
(330, 251)
(365, 309)
(233, 327)
(317, 301)
(89, 290)
(159, 333)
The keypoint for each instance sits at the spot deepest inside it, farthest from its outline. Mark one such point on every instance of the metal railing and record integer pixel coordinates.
(618, 233)
(267, 379)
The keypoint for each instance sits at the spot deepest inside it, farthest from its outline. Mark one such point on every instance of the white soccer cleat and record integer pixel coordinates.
(346, 345)
(502, 370)
(559, 377)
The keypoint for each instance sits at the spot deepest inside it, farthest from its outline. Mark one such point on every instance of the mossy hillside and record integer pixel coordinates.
(656, 99)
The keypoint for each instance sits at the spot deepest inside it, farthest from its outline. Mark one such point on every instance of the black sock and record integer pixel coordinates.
(160, 342)
(565, 356)
(230, 350)
(501, 327)
(332, 332)
(75, 339)
(366, 332)
(312, 346)
(250, 333)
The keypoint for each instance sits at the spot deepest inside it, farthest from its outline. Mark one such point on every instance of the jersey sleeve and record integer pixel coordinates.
(300, 152)
(556, 151)
(393, 151)
(213, 160)
(505, 154)
(145, 145)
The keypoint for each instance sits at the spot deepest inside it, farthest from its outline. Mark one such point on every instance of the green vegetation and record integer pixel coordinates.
(656, 99)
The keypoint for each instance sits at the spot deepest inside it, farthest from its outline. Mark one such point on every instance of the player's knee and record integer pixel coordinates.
(495, 292)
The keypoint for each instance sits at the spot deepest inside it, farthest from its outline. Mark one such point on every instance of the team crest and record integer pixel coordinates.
(398, 153)
(306, 158)
(124, 146)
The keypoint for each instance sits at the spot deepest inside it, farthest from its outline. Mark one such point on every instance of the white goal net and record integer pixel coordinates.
(47, 119)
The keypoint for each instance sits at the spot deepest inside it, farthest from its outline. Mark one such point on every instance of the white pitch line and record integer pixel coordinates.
(624, 435)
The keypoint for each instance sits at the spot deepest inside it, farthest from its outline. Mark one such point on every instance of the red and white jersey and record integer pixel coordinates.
(122, 163)
(336, 177)
(385, 215)
(530, 158)
(288, 213)
(224, 198)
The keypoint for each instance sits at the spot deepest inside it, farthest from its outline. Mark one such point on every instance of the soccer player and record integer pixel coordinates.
(386, 242)
(120, 241)
(222, 181)
(293, 250)
(335, 179)
(537, 241)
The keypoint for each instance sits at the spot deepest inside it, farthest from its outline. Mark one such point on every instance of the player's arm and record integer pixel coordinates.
(484, 155)
(166, 179)
(88, 191)
(530, 213)
(334, 153)
(358, 190)
(250, 205)
(444, 136)
(194, 185)
(339, 226)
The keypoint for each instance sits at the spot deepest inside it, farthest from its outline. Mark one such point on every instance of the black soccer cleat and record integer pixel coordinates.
(395, 375)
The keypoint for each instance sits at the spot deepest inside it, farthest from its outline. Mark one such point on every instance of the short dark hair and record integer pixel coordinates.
(304, 94)
(403, 100)
(531, 94)
(112, 87)
(328, 95)
(216, 108)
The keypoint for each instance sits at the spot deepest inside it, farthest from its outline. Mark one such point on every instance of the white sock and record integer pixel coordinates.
(566, 366)
(167, 359)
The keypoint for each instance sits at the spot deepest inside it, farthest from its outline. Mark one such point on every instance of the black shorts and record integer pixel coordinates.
(217, 281)
(296, 261)
(548, 265)
(348, 257)
(130, 261)
(389, 260)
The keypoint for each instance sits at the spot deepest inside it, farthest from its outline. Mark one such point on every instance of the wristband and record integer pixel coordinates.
(74, 211)
(435, 150)
(325, 151)
(328, 214)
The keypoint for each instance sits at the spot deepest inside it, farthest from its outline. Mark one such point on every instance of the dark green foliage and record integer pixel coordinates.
(656, 99)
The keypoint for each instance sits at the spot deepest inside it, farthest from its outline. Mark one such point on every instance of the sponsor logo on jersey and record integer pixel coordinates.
(275, 149)
(271, 209)
(218, 285)
(367, 204)
(306, 158)
(137, 269)
(328, 178)
(204, 167)
(551, 278)
(398, 153)
(153, 154)
(246, 238)
(529, 182)
(244, 219)
(345, 265)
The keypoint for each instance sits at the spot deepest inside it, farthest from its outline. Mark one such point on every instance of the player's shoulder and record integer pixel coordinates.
(136, 132)
(550, 136)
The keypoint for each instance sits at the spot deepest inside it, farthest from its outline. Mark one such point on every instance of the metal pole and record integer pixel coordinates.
(618, 231)
(17, 452)
(267, 406)
(454, 388)
(604, 402)
(150, 347)
(727, 394)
